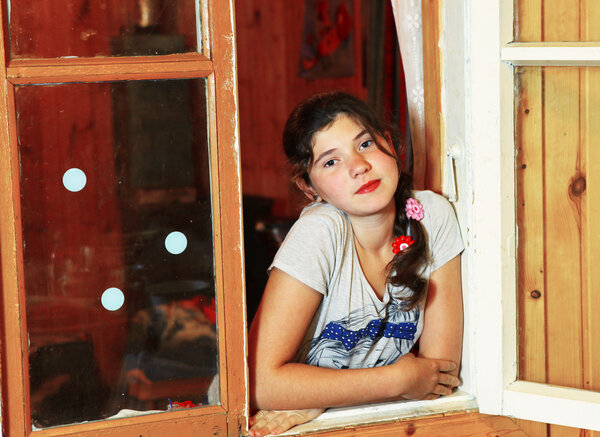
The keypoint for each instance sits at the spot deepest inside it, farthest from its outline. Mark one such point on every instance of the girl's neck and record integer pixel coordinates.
(374, 233)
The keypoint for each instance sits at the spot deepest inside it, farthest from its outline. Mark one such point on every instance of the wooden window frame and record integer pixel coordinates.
(216, 64)
(489, 175)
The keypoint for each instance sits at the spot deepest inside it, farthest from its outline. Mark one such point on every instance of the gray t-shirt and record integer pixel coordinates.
(353, 328)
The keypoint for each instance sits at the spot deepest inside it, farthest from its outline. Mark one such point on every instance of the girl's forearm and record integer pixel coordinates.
(300, 386)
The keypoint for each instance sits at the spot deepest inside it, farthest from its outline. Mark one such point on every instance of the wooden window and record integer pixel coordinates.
(529, 141)
(112, 135)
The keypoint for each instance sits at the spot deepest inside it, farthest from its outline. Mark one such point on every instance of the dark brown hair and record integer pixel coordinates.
(319, 112)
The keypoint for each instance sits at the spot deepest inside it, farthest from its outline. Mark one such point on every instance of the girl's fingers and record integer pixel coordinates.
(286, 424)
(446, 366)
(276, 422)
(259, 424)
(441, 389)
(449, 380)
(254, 419)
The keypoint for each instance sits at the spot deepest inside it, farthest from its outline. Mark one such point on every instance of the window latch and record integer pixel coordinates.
(453, 152)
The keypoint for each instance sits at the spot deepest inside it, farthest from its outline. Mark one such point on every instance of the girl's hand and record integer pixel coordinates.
(426, 378)
(277, 421)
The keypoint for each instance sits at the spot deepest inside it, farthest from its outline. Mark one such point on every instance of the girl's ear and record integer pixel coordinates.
(308, 190)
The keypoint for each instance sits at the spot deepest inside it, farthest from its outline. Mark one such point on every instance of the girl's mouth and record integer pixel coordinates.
(368, 187)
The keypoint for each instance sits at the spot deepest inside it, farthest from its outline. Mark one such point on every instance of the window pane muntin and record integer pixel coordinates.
(43, 71)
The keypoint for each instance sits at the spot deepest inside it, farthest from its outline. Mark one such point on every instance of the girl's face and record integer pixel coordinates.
(350, 170)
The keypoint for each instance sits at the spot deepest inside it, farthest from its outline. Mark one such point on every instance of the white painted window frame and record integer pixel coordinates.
(478, 59)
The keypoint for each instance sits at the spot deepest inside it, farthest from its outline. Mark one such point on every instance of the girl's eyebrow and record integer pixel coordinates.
(330, 151)
(325, 153)
(360, 134)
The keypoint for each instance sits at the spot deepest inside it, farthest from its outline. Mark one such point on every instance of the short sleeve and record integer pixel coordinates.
(308, 252)
(445, 241)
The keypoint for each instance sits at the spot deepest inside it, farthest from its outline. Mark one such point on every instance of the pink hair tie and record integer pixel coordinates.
(414, 209)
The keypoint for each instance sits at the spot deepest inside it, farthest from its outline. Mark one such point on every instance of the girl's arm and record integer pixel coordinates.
(276, 382)
(443, 323)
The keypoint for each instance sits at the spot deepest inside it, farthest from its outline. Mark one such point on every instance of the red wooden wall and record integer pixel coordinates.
(269, 35)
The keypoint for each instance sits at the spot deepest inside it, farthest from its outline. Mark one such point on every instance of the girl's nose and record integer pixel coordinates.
(359, 166)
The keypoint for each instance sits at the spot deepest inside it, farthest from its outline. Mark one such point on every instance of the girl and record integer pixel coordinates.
(369, 268)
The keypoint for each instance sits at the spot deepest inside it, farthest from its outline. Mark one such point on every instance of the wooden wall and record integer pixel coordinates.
(269, 35)
(557, 210)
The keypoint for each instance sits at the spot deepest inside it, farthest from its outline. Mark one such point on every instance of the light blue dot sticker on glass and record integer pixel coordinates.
(112, 299)
(175, 242)
(74, 180)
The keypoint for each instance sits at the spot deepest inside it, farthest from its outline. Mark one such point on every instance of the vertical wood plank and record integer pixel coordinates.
(530, 222)
(562, 161)
(563, 237)
(560, 20)
(431, 11)
(590, 229)
(528, 23)
(590, 105)
(562, 234)
(589, 16)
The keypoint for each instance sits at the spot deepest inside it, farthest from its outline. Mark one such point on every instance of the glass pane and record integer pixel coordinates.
(556, 20)
(558, 217)
(86, 28)
(118, 248)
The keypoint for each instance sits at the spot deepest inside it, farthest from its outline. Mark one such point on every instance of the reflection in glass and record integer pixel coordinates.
(102, 28)
(118, 248)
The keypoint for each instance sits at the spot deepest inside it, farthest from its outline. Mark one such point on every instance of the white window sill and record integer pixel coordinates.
(339, 418)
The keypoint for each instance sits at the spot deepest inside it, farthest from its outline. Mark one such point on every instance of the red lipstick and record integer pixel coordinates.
(369, 187)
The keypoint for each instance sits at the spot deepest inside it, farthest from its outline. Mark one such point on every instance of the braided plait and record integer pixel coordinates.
(406, 267)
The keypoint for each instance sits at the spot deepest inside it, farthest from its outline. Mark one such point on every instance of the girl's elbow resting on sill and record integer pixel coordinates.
(262, 391)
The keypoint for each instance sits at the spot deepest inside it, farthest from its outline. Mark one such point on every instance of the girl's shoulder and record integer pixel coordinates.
(322, 222)
(323, 212)
(435, 206)
(430, 198)
(441, 226)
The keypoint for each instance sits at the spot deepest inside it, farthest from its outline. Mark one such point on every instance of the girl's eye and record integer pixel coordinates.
(329, 163)
(365, 144)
